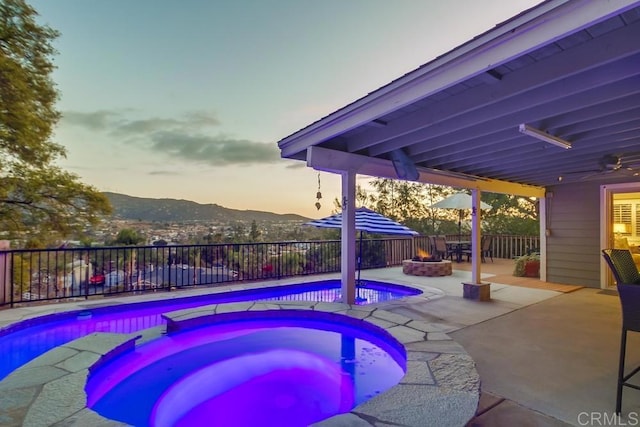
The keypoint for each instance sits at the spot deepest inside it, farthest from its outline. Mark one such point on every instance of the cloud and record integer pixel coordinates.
(214, 150)
(144, 127)
(190, 121)
(201, 118)
(97, 120)
(183, 138)
(115, 124)
(164, 173)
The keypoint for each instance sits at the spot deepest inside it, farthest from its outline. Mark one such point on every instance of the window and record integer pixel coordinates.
(628, 213)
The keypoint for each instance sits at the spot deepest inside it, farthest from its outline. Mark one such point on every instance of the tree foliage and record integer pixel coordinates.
(238, 233)
(510, 215)
(128, 237)
(37, 197)
(254, 233)
(410, 204)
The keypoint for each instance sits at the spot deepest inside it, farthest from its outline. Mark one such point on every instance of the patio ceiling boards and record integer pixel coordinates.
(568, 67)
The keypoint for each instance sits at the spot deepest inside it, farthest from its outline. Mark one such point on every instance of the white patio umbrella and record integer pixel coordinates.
(461, 202)
(366, 220)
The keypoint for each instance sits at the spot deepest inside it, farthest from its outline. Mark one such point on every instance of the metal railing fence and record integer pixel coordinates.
(28, 276)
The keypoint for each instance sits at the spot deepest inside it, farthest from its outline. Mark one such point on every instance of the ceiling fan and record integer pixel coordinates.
(627, 164)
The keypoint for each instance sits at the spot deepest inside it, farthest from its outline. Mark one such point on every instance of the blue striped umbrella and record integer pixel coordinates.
(366, 220)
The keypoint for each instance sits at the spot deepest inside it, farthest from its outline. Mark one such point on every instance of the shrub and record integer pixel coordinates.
(522, 261)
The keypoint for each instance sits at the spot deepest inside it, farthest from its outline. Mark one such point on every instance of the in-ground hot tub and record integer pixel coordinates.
(279, 367)
(427, 268)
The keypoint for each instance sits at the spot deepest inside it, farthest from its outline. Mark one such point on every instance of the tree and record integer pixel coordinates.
(407, 203)
(362, 199)
(398, 200)
(238, 233)
(511, 215)
(37, 197)
(128, 237)
(254, 234)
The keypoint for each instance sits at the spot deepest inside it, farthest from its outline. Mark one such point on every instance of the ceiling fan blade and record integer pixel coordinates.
(631, 165)
(629, 171)
(631, 160)
(610, 164)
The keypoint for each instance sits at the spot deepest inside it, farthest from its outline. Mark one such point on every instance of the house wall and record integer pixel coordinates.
(573, 245)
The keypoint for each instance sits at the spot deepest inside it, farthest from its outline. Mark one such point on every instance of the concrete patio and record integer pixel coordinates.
(546, 353)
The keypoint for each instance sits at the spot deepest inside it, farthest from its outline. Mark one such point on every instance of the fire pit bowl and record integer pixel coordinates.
(430, 258)
(431, 267)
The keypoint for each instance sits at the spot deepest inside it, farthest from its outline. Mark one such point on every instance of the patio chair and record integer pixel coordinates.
(628, 283)
(432, 244)
(486, 248)
(441, 248)
(622, 266)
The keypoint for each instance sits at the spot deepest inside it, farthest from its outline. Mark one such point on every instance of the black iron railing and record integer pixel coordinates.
(62, 274)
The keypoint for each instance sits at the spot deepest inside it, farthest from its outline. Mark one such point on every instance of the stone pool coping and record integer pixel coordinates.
(440, 388)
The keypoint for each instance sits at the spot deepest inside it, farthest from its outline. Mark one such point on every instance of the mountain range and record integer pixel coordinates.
(173, 210)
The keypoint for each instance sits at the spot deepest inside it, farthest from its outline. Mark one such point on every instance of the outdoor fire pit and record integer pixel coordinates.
(426, 265)
(427, 258)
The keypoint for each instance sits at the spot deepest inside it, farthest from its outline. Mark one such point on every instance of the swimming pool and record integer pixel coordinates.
(288, 368)
(26, 340)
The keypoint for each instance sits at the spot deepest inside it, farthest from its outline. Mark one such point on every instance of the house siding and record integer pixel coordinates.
(573, 246)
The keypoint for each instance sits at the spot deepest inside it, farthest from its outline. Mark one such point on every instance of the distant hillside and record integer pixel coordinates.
(139, 208)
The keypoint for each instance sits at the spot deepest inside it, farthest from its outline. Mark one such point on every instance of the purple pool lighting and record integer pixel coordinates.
(289, 370)
(26, 340)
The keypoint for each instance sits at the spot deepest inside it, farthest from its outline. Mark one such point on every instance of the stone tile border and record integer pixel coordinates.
(440, 388)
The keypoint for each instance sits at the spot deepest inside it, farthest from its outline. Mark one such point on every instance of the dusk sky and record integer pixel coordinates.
(187, 99)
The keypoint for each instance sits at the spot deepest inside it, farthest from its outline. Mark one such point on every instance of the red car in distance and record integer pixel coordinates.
(98, 279)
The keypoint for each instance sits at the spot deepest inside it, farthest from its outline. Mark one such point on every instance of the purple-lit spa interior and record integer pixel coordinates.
(280, 367)
(26, 340)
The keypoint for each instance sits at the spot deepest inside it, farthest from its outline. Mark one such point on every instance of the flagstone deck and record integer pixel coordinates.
(50, 388)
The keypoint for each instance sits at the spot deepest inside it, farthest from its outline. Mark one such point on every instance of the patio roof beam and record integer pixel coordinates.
(335, 161)
(512, 149)
(589, 119)
(505, 139)
(590, 87)
(509, 119)
(514, 162)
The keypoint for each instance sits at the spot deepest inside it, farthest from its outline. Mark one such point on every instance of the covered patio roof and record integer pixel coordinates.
(568, 68)
(566, 72)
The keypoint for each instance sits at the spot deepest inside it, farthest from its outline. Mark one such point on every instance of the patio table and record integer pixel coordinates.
(457, 246)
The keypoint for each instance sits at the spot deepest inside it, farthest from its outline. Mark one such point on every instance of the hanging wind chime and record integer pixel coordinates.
(318, 194)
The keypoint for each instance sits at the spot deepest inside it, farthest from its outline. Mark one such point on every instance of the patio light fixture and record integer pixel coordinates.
(544, 136)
